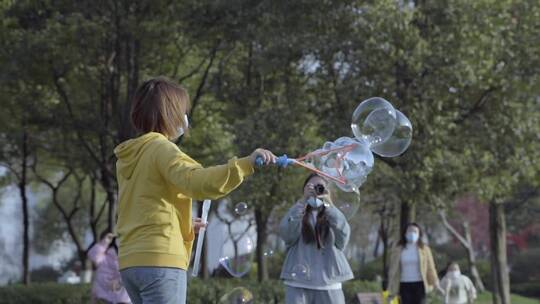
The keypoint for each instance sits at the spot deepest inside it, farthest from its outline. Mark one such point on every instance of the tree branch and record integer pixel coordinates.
(64, 97)
(12, 170)
(101, 210)
(453, 231)
(202, 83)
(477, 105)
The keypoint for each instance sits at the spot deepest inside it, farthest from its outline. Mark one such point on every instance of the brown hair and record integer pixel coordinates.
(403, 240)
(159, 105)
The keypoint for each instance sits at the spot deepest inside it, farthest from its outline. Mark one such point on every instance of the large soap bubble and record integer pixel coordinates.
(373, 120)
(300, 271)
(347, 202)
(237, 256)
(239, 295)
(357, 165)
(400, 139)
(346, 159)
(240, 208)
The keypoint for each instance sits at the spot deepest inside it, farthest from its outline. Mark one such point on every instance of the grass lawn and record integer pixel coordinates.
(485, 298)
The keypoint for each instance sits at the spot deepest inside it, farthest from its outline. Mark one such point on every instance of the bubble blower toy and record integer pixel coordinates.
(284, 161)
(200, 238)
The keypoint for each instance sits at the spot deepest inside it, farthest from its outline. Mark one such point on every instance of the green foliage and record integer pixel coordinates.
(486, 298)
(199, 292)
(369, 271)
(525, 272)
(529, 289)
(45, 274)
(286, 76)
(207, 292)
(45, 293)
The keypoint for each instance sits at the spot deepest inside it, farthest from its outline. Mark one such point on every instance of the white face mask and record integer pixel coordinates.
(412, 237)
(454, 274)
(314, 202)
(180, 129)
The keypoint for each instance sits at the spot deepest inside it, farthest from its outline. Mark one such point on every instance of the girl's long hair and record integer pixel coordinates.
(320, 232)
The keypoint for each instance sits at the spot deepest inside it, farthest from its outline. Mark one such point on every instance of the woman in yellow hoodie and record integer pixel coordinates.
(157, 183)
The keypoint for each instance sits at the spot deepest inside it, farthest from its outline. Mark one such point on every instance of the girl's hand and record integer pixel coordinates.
(198, 224)
(267, 156)
(108, 238)
(310, 192)
(325, 197)
(439, 289)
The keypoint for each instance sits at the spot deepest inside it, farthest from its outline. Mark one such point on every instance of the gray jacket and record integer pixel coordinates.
(305, 263)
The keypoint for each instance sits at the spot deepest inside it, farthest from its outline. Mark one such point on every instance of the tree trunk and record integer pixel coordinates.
(92, 212)
(108, 185)
(408, 215)
(377, 243)
(26, 221)
(132, 66)
(386, 250)
(262, 235)
(499, 265)
(86, 273)
(465, 241)
(471, 257)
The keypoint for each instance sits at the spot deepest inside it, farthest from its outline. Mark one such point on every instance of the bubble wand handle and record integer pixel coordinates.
(200, 238)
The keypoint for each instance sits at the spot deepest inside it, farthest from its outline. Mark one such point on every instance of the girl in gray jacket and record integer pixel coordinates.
(315, 233)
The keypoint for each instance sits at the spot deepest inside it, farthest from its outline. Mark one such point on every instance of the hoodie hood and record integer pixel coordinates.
(130, 151)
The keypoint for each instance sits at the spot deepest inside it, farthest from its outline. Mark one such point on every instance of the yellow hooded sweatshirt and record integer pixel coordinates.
(156, 183)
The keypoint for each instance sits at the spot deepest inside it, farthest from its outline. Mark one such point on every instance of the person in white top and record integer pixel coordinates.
(412, 273)
(457, 288)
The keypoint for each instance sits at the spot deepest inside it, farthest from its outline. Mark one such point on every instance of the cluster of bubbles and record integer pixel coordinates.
(386, 131)
(378, 128)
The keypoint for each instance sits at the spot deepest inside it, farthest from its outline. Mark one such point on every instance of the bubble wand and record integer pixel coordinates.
(283, 161)
(200, 238)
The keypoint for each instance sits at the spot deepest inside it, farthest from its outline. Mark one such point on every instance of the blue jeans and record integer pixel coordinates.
(155, 285)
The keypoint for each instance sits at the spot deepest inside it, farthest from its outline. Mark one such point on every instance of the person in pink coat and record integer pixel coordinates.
(107, 285)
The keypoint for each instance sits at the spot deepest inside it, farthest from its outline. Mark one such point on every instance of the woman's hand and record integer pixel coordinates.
(198, 224)
(267, 156)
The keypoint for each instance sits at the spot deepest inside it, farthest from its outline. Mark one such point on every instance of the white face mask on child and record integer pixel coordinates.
(314, 202)
(454, 274)
(180, 129)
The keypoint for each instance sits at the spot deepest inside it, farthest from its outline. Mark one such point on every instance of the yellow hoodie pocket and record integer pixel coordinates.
(161, 223)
